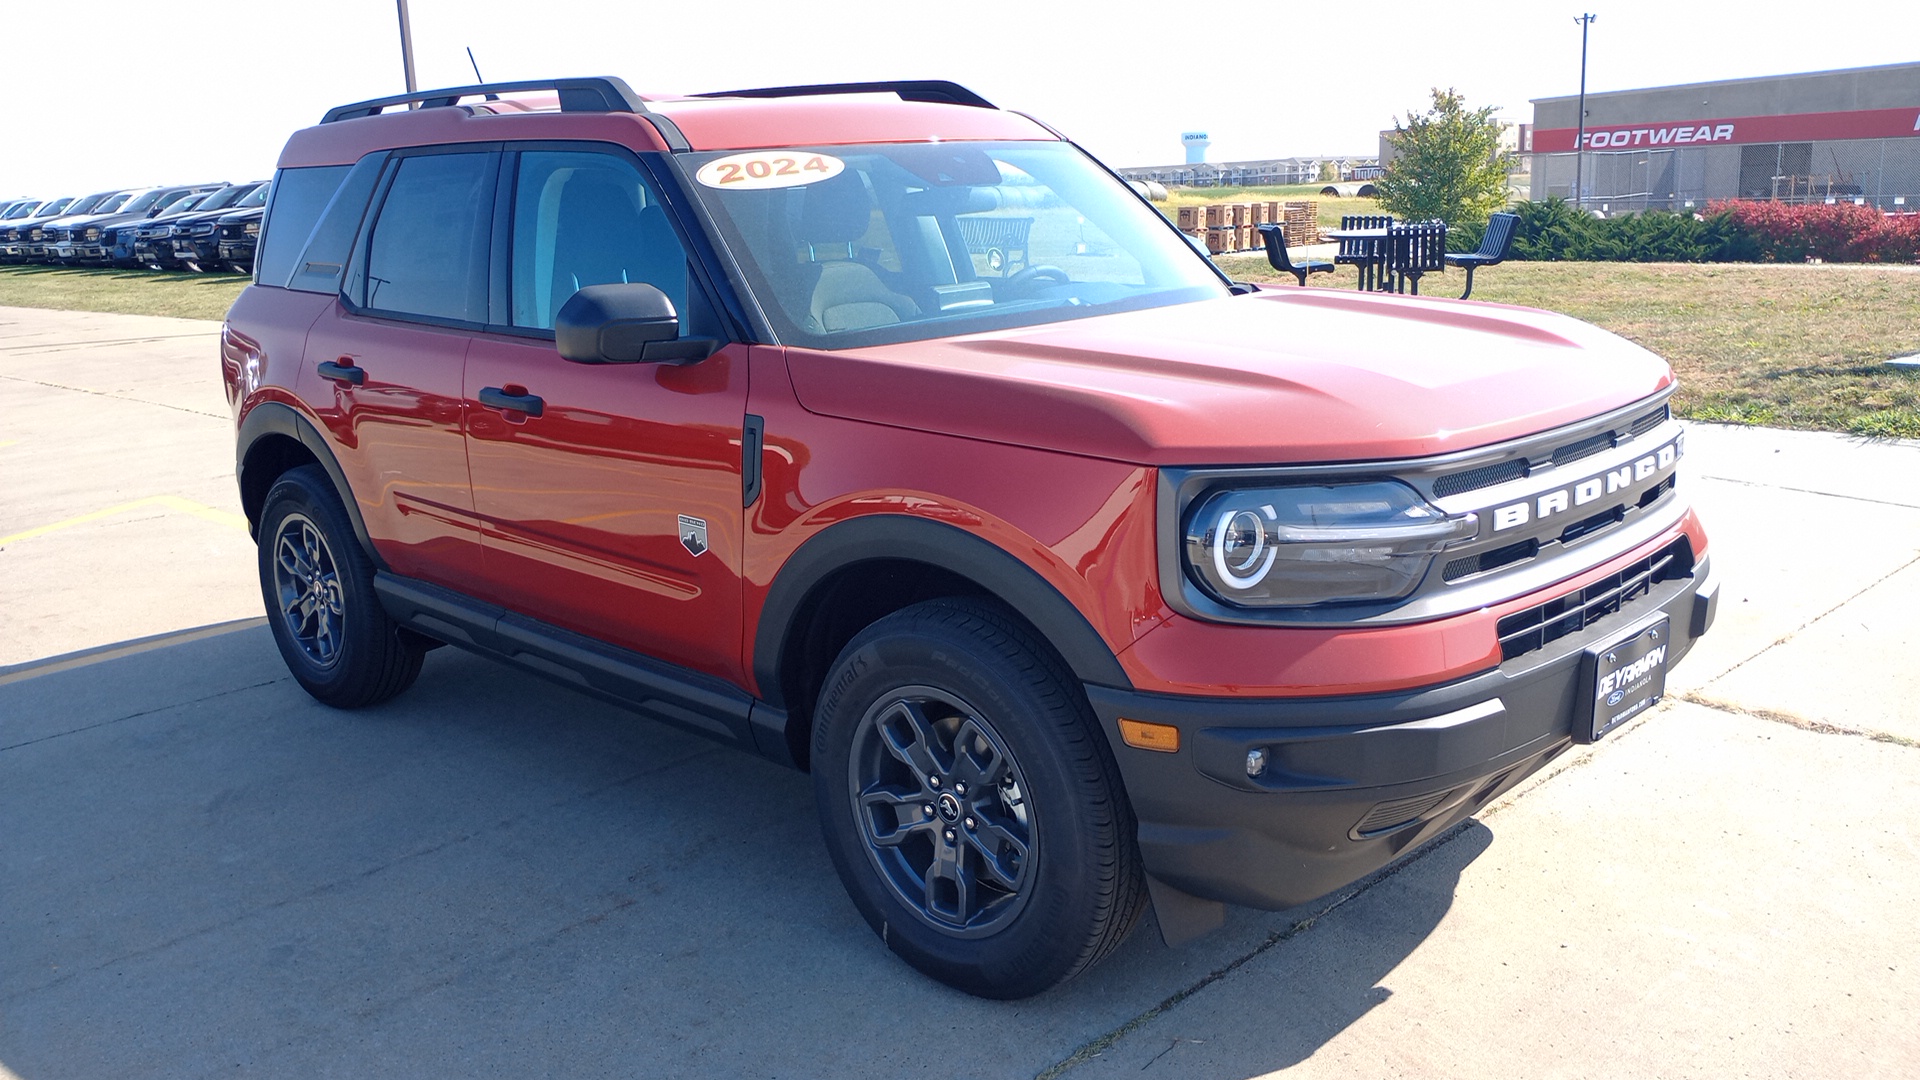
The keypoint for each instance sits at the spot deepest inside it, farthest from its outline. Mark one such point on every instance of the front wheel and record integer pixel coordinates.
(970, 802)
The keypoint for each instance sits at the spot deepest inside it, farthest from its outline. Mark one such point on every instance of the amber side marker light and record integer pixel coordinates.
(1144, 736)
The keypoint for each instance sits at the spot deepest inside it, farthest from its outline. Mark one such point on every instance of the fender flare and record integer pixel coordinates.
(896, 536)
(278, 418)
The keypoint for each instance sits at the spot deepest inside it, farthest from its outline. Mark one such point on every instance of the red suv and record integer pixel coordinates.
(886, 434)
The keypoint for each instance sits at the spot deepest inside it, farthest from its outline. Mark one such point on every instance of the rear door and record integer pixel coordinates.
(613, 506)
(385, 364)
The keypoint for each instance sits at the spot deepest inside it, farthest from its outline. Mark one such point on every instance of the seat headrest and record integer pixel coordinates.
(836, 211)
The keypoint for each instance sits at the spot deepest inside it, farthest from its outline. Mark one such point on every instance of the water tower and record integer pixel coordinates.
(1196, 144)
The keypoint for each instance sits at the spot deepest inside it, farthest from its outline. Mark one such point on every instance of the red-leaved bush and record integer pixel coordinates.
(1842, 232)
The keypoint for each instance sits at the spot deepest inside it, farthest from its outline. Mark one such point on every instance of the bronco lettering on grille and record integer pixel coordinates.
(1588, 490)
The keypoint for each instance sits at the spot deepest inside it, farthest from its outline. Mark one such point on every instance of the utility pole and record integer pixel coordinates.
(1579, 143)
(406, 46)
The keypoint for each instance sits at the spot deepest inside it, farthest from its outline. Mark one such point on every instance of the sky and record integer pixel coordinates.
(202, 90)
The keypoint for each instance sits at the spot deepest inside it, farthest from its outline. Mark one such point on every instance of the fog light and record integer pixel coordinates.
(1256, 762)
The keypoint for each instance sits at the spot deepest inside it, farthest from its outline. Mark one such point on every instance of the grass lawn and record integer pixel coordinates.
(1777, 346)
(1771, 345)
(122, 292)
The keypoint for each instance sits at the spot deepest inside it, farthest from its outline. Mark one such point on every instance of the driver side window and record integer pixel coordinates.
(586, 218)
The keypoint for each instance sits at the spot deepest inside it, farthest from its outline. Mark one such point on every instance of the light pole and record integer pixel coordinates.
(1579, 141)
(406, 46)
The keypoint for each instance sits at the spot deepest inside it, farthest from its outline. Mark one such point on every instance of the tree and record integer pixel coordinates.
(1447, 164)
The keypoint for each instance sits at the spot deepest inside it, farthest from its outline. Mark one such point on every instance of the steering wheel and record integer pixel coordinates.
(1023, 280)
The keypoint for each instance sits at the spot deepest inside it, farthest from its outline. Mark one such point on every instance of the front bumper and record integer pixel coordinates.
(1353, 782)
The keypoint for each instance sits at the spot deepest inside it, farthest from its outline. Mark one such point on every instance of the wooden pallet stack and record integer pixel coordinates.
(1227, 228)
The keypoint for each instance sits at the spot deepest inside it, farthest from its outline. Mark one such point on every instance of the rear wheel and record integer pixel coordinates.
(318, 586)
(970, 802)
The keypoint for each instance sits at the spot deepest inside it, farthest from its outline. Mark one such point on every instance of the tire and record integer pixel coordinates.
(971, 803)
(318, 586)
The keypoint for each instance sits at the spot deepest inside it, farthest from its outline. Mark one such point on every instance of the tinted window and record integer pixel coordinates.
(428, 251)
(319, 267)
(298, 197)
(583, 218)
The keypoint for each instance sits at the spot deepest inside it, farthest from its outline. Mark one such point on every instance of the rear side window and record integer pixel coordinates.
(585, 218)
(319, 267)
(297, 198)
(427, 253)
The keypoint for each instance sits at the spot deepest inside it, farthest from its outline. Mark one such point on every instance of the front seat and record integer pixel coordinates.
(602, 236)
(846, 293)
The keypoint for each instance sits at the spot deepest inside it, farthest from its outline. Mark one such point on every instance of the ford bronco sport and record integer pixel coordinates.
(886, 434)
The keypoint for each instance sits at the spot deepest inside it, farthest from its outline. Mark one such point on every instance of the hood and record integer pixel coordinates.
(1286, 375)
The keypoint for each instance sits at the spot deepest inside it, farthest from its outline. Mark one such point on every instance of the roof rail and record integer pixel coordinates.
(938, 91)
(595, 94)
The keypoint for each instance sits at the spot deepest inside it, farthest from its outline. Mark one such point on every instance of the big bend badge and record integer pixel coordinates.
(693, 535)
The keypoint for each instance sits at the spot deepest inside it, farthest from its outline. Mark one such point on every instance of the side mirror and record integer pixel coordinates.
(624, 323)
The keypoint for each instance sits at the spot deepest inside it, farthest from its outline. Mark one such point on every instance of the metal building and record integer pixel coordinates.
(1824, 136)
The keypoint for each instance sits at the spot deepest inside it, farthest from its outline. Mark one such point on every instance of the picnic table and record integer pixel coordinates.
(1393, 258)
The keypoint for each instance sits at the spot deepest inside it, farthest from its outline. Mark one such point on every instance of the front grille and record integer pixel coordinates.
(1525, 631)
(1650, 421)
(1485, 476)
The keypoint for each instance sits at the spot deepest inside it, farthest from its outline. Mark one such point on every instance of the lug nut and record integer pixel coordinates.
(927, 809)
(960, 788)
(933, 781)
(949, 836)
(969, 823)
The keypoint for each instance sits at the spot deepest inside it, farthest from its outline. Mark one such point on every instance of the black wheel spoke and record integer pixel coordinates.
(1003, 853)
(950, 890)
(976, 760)
(905, 809)
(909, 735)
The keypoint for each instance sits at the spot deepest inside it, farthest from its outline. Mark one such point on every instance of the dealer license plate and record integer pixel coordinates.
(1624, 677)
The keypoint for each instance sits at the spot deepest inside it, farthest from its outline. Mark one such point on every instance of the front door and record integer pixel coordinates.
(616, 511)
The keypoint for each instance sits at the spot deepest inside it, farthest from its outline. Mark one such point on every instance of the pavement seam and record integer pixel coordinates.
(1818, 727)
(1789, 635)
(113, 397)
(141, 713)
(1100, 1044)
(1810, 491)
(67, 346)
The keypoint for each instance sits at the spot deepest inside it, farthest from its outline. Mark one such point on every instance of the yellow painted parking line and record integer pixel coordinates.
(4, 443)
(170, 502)
(33, 669)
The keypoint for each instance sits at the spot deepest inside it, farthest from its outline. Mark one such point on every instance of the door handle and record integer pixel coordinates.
(494, 397)
(345, 371)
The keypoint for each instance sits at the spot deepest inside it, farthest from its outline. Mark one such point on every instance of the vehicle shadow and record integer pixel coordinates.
(203, 869)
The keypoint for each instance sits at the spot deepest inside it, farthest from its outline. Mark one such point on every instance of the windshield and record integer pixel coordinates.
(256, 197)
(113, 204)
(186, 204)
(21, 210)
(53, 207)
(226, 196)
(85, 205)
(147, 200)
(862, 245)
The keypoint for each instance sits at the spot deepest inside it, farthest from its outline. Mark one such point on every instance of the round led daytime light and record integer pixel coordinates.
(1233, 557)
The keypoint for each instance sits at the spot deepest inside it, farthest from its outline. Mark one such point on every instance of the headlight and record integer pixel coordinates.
(1300, 545)
(92, 233)
(252, 229)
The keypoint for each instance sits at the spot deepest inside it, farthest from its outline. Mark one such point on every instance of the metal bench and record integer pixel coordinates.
(1413, 250)
(1275, 237)
(1369, 256)
(1494, 245)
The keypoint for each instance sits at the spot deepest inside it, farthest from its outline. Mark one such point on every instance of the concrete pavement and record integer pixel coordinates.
(202, 871)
